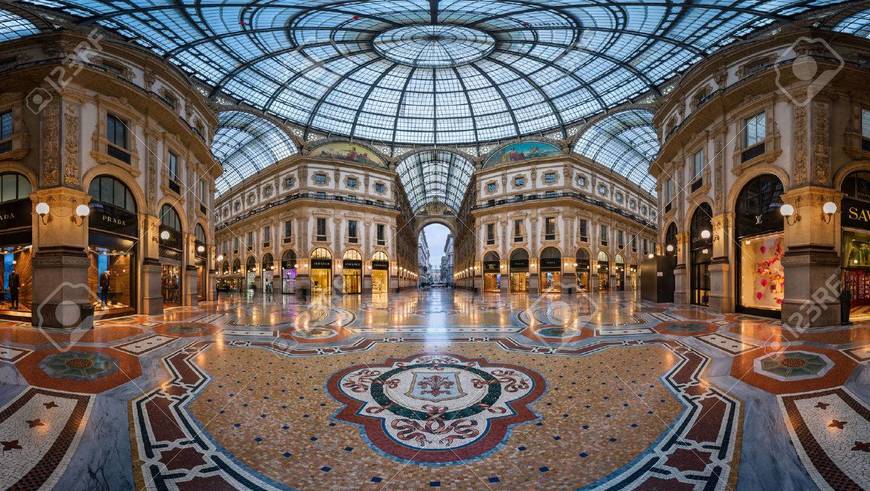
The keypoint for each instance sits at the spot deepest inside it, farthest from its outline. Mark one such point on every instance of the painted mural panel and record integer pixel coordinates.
(349, 152)
(518, 152)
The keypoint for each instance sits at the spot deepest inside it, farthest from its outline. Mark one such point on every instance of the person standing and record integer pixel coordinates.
(14, 285)
(104, 289)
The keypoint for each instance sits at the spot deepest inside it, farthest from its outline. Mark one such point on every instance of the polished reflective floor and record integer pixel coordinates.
(435, 389)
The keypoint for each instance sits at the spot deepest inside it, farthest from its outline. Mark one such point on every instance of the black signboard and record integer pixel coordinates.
(490, 266)
(15, 214)
(856, 214)
(519, 265)
(114, 220)
(380, 265)
(321, 263)
(352, 264)
(551, 264)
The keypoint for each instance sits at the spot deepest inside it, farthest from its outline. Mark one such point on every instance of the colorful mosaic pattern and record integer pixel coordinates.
(436, 408)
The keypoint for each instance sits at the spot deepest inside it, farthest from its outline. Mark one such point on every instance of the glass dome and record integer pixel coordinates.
(420, 72)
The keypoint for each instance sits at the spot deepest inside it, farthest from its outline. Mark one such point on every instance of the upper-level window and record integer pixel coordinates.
(754, 131)
(602, 233)
(669, 190)
(620, 198)
(320, 179)
(116, 131)
(351, 230)
(250, 242)
(491, 187)
(865, 124)
(6, 131)
(289, 181)
(321, 229)
(201, 191)
(490, 233)
(519, 181)
(380, 188)
(13, 187)
(288, 229)
(581, 180)
(602, 189)
(381, 234)
(267, 235)
(698, 163)
(352, 182)
(643, 210)
(518, 230)
(173, 167)
(551, 178)
(584, 230)
(620, 239)
(632, 203)
(550, 228)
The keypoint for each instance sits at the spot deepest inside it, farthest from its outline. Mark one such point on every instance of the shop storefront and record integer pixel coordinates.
(288, 272)
(113, 237)
(619, 273)
(701, 244)
(268, 273)
(759, 232)
(200, 251)
(855, 244)
(491, 272)
(603, 271)
(321, 271)
(550, 267)
(233, 280)
(251, 274)
(380, 273)
(582, 269)
(16, 235)
(351, 270)
(519, 271)
(171, 253)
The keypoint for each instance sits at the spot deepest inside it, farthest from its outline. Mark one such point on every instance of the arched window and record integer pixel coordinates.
(582, 260)
(352, 254)
(109, 190)
(519, 261)
(757, 209)
(602, 257)
(701, 221)
(268, 262)
(251, 264)
(321, 253)
(199, 239)
(671, 239)
(237, 266)
(13, 187)
(170, 228)
(288, 260)
(551, 259)
(380, 256)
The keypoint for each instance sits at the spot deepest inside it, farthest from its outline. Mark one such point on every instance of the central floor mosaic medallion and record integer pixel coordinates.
(436, 409)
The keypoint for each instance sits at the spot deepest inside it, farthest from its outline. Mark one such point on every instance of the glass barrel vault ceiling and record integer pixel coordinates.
(625, 142)
(429, 71)
(435, 176)
(432, 72)
(246, 144)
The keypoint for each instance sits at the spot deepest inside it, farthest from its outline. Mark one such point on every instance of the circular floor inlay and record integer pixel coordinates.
(78, 365)
(436, 408)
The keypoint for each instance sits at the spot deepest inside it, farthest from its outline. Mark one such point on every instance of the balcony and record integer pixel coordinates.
(549, 236)
(518, 238)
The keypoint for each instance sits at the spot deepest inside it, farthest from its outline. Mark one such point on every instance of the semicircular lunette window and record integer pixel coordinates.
(13, 26)
(245, 144)
(420, 72)
(624, 142)
(435, 176)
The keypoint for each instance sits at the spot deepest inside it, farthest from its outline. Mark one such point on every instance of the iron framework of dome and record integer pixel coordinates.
(416, 72)
(435, 176)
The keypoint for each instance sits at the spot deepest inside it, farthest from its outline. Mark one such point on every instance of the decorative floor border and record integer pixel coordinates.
(171, 448)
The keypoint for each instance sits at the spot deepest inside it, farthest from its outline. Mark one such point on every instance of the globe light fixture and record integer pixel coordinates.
(164, 235)
(670, 248)
(705, 234)
(829, 208)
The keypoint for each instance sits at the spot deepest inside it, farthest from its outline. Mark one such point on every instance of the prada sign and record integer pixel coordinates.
(856, 214)
(114, 220)
(490, 266)
(16, 214)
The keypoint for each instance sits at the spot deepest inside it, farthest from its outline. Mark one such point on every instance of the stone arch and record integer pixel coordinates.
(751, 174)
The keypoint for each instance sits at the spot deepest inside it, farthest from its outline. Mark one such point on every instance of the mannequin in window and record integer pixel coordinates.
(14, 285)
(104, 289)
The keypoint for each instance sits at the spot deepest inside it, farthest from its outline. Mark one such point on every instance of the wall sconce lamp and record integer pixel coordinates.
(788, 212)
(82, 211)
(705, 234)
(220, 258)
(42, 210)
(200, 248)
(164, 235)
(670, 248)
(829, 209)
(651, 255)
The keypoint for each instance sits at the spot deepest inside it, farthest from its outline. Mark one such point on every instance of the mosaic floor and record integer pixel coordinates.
(438, 389)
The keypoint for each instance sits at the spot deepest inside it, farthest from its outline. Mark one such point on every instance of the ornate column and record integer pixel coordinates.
(681, 274)
(721, 287)
(149, 246)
